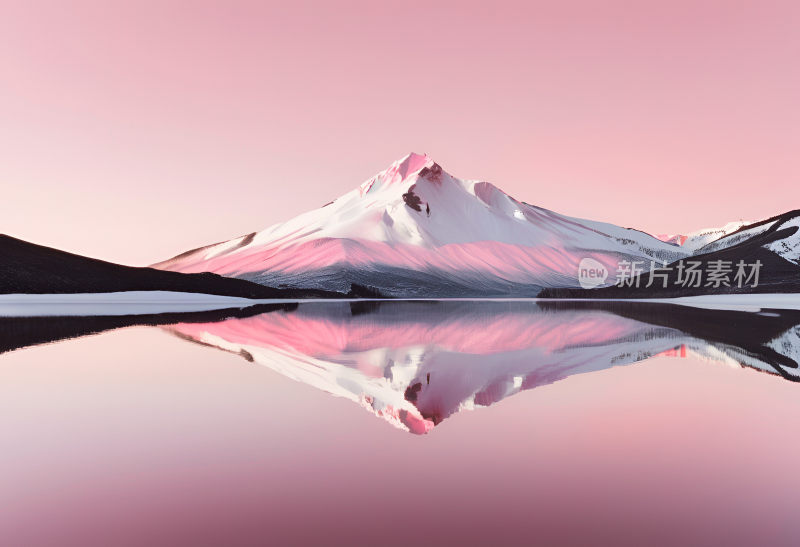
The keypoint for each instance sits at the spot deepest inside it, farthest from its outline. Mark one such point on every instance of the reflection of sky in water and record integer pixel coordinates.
(137, 437)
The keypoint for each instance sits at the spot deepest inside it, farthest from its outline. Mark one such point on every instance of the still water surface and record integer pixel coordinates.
(403, 423)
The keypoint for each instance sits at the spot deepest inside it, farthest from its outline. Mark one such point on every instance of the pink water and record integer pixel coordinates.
(136, 437)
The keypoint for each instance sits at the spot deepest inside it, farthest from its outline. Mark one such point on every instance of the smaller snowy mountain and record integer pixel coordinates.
(414, 230)
(783, 232)
(770, 247)
(695, 240)
(708, 240)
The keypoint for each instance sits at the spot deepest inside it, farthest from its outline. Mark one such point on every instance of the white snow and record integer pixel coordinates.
(742, 302)
(788, 248)
(700, 238)
(116, 303)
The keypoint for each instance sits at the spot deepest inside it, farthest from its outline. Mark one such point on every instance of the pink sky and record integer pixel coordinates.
(134, 133)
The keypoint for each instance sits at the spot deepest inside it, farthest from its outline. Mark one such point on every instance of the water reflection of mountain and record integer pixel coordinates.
(416, 363)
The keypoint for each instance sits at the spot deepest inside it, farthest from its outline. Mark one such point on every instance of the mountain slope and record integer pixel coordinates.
(35, 269)
(414, 230)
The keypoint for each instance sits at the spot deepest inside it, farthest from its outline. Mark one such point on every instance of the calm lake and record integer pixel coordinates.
(397, 423)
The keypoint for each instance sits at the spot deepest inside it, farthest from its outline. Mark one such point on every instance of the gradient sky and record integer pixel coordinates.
(133, 133)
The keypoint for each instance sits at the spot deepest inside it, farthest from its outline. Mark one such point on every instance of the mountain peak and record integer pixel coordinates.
(398, 172)
(413, 162)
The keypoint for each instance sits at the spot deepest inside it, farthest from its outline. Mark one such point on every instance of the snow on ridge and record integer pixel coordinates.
(734, 233)
(696, 240)
(788, 248)
(116, 303)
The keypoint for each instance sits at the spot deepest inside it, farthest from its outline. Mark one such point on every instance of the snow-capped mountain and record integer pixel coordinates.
(693, 241)
(772, 244)
(709, 240)
(787, 246)
(415, 230)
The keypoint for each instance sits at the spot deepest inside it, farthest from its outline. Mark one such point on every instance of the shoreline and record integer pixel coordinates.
(153, 302)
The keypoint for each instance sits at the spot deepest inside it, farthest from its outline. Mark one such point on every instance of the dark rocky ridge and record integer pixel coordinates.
(27, 268)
